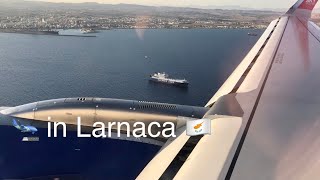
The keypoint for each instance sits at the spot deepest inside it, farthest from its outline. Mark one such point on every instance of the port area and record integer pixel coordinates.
(39, 32)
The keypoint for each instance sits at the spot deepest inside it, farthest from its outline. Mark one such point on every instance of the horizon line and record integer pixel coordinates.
(205, 7)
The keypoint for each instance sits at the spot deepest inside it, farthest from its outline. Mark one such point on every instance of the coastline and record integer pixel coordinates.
(36, 32)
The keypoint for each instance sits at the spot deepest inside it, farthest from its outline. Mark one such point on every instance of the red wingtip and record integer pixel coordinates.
(308, 4)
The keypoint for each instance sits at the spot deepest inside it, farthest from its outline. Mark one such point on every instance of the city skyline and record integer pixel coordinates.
(271, 4)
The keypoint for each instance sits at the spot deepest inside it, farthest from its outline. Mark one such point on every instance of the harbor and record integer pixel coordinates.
(45, 32)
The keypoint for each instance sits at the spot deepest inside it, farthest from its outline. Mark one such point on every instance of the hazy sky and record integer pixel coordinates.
(244, 3)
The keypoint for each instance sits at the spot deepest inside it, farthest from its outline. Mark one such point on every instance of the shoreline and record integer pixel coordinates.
(56, 33)
(53, 33)
(43, 33)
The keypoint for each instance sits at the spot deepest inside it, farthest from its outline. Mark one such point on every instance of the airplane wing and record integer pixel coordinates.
(265, 117)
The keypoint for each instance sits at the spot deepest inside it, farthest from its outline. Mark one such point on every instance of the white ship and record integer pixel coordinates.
(164, 78)
(87, 30)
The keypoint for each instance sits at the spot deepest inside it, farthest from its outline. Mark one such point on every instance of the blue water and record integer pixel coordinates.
(112, 65)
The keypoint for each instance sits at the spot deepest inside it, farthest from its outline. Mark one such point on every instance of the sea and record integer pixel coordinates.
(114, 64)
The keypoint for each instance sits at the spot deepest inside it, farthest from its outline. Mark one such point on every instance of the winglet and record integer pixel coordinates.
(302, 8)
(308, 4)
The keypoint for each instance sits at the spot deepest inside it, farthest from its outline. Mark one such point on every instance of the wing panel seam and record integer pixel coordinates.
(244, 75)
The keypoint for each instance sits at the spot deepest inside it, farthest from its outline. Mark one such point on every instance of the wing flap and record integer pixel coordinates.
(210, 158)
(158, 165)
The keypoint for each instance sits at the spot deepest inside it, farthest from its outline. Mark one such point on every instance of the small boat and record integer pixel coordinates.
(252, 34)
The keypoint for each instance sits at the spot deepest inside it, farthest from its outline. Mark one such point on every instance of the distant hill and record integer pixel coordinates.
(21, 4)
(75, 15)
(223, 13)
(92, 5)
(130, 9)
